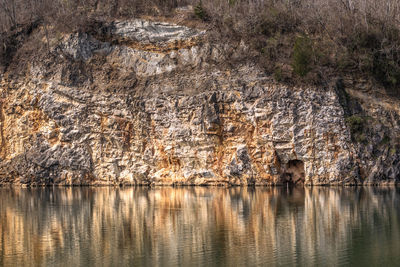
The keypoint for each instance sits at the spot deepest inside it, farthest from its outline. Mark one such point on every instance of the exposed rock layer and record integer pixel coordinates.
(153, 103)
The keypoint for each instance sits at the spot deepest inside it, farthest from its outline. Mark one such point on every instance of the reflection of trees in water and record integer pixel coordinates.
(236, 226)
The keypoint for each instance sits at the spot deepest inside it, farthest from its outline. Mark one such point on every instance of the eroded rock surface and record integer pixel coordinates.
(153, 103)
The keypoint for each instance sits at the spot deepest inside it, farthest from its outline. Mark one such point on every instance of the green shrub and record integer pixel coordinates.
(232, 2)
(278, 74)
(385, 140)
(302, 56)
(357, 128)
(356, 123)
(199, 11)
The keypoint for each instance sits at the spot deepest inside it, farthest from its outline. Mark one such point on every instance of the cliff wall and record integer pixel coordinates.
(142, 102)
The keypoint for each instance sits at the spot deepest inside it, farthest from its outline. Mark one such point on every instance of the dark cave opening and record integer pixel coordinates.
(294, 173)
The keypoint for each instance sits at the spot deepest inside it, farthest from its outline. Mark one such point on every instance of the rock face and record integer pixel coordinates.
(154, 103)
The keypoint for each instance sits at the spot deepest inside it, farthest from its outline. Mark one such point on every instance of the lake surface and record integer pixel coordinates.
(199, 226)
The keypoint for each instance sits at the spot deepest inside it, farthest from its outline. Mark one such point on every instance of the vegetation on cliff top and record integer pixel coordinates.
(295, 40)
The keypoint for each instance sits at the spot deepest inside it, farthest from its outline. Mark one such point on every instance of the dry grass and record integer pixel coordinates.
(344, 37)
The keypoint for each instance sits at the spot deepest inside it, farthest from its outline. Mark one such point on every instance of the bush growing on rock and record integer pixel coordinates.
(357, 126)
(199, 11)
(302, 55)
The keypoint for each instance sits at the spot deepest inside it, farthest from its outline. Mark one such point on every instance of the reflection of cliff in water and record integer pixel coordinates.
(237, 226)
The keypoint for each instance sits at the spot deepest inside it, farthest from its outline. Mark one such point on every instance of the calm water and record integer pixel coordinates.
(199, 226)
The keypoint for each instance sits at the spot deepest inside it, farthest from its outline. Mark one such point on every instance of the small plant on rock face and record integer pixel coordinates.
(357, 127)
(232, 2)
(278, 74)
(199, 11)
(355, 122)
(302, 55)
(385, 140)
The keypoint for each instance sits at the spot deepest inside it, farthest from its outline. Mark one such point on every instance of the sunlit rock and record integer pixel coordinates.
(142, 102)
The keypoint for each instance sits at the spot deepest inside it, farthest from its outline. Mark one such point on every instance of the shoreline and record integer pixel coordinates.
(219, 185)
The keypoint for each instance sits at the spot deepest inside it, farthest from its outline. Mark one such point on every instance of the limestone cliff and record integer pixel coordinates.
(140, 102)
